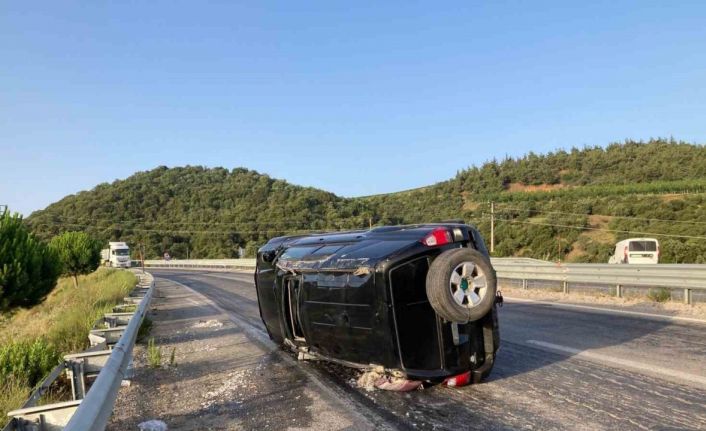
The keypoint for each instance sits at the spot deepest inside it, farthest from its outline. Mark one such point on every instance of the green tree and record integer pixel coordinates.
(28, 268)
(78, 253)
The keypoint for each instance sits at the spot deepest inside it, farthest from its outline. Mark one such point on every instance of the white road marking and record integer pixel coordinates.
(194, 302)
(608, 310)
(622, 363)
(222, 270)
(227, 278)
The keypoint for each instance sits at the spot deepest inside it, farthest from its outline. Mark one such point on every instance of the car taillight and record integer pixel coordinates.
(439, 236)
(458, 380)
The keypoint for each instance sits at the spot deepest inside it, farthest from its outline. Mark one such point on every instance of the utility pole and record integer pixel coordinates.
(370, 222)
(492, 227)
(142, 256)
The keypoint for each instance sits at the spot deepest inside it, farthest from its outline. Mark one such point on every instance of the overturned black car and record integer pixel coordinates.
(417, 299)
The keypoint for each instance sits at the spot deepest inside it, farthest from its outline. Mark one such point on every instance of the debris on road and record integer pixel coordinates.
(152, 425)
(397, 384)
(212, 323)
(378, 378)
(367, 379)
(224, 380)
(236, 381)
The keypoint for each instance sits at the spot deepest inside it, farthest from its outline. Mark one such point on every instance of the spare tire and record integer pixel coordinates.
(461, 285)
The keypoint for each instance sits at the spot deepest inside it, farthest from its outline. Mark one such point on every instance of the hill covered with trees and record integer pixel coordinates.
(569, 205)
(210, 212)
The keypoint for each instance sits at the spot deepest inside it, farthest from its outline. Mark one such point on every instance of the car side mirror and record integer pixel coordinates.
(269, 256)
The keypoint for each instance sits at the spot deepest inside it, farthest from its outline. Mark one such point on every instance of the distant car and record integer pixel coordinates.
(636, 251)
(418, 300)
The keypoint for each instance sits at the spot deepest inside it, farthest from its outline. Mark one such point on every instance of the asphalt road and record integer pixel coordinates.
(557, 369)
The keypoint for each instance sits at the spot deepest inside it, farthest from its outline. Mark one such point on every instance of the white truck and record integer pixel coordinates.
(117, 255)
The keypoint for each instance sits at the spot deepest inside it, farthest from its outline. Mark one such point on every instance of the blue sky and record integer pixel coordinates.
(354, 97)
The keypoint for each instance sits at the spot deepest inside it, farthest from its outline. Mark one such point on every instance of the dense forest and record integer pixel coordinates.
(569, 205)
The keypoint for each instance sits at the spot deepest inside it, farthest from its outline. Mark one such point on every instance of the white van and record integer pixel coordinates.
(636, 250)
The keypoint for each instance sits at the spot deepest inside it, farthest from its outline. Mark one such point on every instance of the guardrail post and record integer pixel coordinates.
(524, 284)
(565, 286)
(687, 296)
(618, 291)
(78, 380)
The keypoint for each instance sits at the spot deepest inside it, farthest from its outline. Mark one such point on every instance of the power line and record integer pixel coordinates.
(363, 219)
(607, 230)
(225, 232)
(602, 215)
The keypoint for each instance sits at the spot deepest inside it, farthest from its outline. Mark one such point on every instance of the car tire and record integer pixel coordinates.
(461, 285)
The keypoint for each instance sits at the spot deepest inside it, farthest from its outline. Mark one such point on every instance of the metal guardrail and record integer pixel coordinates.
(688, 277)
(107, 361)
(199, 263)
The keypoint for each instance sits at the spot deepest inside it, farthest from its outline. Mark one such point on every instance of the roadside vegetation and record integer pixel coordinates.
(659, 295)
(28, 268)
(33, 340)
(78, 253)
(569, 205)
(154, 354)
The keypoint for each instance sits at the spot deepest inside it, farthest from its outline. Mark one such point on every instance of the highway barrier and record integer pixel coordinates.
(687, 278)
(683, 278)
(95, 374)
(243, 264)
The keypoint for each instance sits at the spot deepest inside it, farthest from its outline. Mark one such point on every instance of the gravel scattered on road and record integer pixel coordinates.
(222, 380)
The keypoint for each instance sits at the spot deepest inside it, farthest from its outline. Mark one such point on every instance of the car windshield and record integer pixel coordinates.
(122, 252)
(293, 253)
(643, 246)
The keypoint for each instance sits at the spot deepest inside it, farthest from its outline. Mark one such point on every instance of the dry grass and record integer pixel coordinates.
(519, 187)
(13, 393)
(672, 197)
(470, 205)
(599, 222)
(63, 319)
(67, 314)
(576, 252)
(591, 236)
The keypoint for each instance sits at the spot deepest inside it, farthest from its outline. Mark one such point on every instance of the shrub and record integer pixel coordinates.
(659, 295)
(145, 328)
(78, 253)
(154, 354)
(27, 360)
(28, 268)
